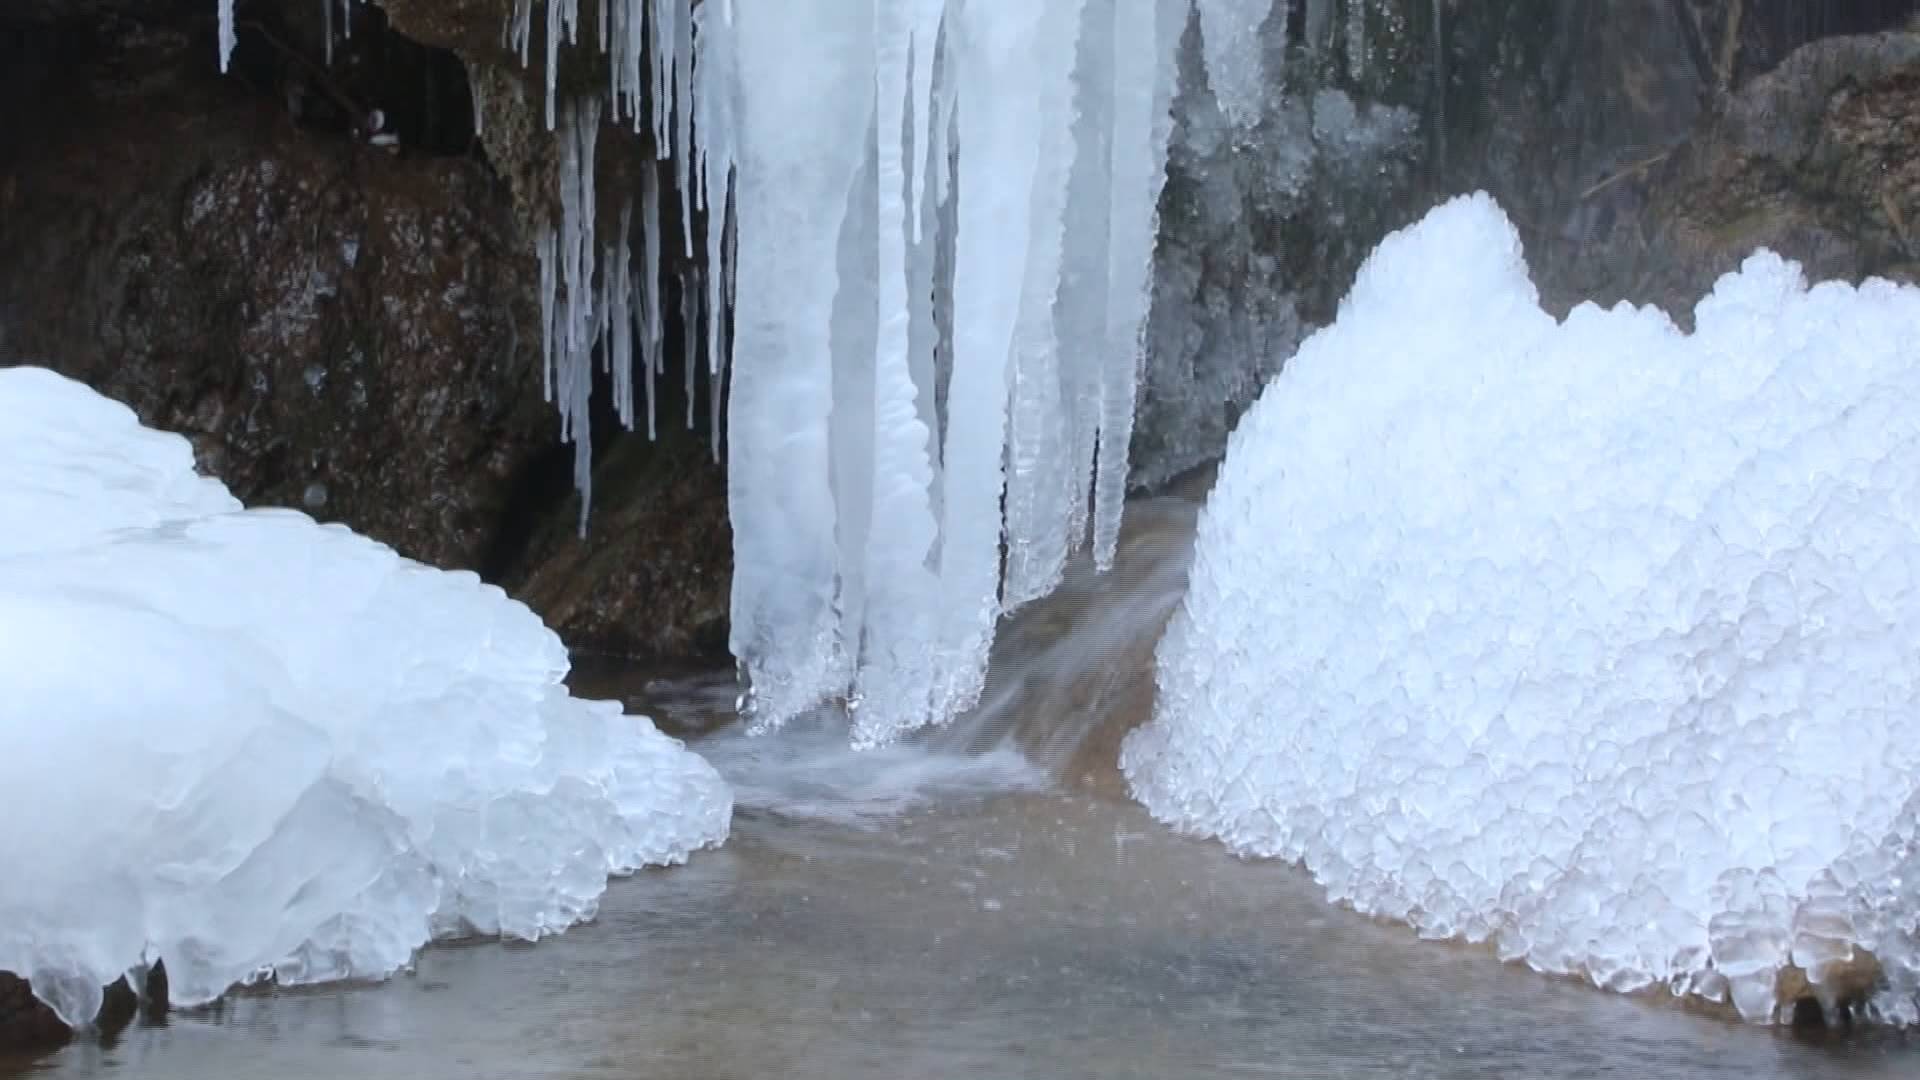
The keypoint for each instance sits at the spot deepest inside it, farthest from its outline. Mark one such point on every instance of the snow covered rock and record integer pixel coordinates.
(256, 746)
(1592, 638)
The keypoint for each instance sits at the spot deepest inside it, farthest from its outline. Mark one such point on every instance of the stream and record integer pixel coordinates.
(979, 902)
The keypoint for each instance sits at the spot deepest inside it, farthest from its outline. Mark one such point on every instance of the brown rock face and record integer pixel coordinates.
(1818, 160)
(336, 328)
(652, 577)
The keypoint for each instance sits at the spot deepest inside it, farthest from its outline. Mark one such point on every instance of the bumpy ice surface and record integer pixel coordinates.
(249, 744)
(1595, 639)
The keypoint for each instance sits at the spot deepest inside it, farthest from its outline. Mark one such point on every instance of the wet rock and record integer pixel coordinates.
(1261, 231)
(652, 577)
(26, 1024)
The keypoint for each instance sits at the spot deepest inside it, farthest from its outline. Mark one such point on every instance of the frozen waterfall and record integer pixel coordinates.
(1026, 139)
(933, 223)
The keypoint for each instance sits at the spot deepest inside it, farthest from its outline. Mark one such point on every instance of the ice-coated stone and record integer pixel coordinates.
(256, 746)
(1592, 638)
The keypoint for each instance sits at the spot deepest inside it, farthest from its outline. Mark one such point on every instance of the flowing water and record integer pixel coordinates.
(979, 903)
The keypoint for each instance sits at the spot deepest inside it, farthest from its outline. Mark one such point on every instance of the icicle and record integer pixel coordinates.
(626, 46)
(1039, 486)
(1236, 68)
(520, 30)
(547, 249)
(571, 329)
(923, 326)
(852, 433)
(346, 14)
(713, 98)
(1142, 87)
(689, 334)
(683, 122)
(620, 315)
(227, 37)
(653, 332)
(812, 72)
(563, 18)
(718, 375)
(326, 28)
(665, 40)
(928, 19)
(1080, 315)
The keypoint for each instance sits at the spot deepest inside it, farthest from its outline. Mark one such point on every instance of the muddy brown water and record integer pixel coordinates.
(951, 909)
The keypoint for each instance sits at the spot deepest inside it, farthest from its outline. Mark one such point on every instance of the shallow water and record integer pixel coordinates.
(950, 908)
(1007, 935)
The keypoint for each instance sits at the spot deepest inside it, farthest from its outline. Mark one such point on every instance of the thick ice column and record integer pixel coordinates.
(890, 620)
(1236, 65)
(1080, 308)
(999, 71)
(801, 131)
(1040, 480)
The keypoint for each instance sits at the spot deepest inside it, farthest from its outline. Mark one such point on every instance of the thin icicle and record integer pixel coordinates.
(665, 40)
(928, 18)
(326, 28)
(713, 105)
(689, 333)
(652, 333)
(520, 31)
(683, 158)
(923, 326)
(1142, 78)
(227, 37)
(718, 374)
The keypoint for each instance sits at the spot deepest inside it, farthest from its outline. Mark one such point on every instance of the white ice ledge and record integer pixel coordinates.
(255, 746)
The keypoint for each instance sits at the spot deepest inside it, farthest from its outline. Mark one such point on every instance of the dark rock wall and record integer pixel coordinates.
(339, 327)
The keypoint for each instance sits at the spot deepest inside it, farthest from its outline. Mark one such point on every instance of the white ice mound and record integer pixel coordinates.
(248, 744)
(1596, 639)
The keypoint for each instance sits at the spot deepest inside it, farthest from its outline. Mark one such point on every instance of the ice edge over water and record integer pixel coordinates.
(1592, 639)
(255, 746)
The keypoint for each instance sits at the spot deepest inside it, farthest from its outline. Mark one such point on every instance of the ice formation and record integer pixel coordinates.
(1230, 31)
(1595, 639)
(893, 151)
(255, 746)
(932, 224)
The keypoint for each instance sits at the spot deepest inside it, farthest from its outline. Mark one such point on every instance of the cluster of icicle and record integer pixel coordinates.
(946, 215)
(621, 313)
(937, 263)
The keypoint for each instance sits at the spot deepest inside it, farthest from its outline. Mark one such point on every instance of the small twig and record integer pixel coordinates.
(1635, 169)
